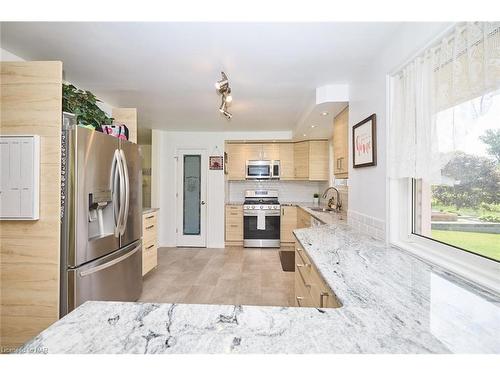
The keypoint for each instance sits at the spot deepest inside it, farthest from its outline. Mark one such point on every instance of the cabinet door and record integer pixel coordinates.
(236, 161)
(270, 151)
(301, 160)
(303, 219)
(10, 178)
(318, 161)
(253, 151)
(286, 161)
(288, 223)
(340, 144)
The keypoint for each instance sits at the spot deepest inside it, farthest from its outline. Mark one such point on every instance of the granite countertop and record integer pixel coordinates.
(148, 210)
(392, 302)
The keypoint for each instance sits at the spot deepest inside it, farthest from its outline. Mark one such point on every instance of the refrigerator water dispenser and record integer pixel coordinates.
(101, 216)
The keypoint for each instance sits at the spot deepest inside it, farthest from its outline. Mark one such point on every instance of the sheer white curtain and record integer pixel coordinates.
(462, 66)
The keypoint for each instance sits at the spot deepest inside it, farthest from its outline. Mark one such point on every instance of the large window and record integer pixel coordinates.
(444, 136)
(462, 209)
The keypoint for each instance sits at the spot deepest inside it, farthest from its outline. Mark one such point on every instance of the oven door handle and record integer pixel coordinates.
(278, 213)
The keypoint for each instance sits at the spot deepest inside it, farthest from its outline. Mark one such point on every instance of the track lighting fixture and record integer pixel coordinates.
(222, 87)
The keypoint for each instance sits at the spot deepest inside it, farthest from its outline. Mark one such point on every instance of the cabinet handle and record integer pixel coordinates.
(298, 249)
(321, 295)
(234, 225)
(282, 212)
(151, 226)
(303, 265)
(233, 213)
(149, 247)
(150, 217)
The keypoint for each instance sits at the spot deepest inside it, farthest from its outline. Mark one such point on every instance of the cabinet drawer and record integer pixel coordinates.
(232, 208)
(149, 257)
(234, 232)
(302, 296)
(149, 222)
(149, 233)
(321, 294)
(234, 219)
(302, 255)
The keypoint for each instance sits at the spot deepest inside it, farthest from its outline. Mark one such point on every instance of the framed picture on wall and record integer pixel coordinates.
(364, 143)
(216, 163)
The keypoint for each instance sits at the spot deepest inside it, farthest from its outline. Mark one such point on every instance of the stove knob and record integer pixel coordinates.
(253, 207)
(261, 207)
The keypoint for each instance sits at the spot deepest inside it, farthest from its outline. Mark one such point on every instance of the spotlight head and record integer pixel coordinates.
(223, 106)
(220, 85)
(227, 115)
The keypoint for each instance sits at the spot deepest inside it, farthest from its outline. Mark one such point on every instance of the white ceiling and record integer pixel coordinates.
(168, 70)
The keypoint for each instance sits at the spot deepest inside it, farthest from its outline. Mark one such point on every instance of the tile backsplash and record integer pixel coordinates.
(289, 191)
(367, 224)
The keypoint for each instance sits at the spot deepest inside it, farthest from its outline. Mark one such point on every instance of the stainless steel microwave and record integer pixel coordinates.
(263, 170)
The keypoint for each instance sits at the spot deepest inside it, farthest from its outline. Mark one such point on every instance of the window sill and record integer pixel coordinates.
(471, 267)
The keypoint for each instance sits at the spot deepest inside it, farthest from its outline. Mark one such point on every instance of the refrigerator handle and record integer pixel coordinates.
(122, 195)
(127, 192)
(114, 188)
(110, 263)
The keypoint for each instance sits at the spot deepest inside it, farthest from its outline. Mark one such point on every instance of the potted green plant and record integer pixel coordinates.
(316, 198)
(83, 104)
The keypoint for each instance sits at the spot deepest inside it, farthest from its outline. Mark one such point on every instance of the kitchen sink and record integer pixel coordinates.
(322, 209)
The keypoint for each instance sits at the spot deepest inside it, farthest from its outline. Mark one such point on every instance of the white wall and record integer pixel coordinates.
(367, 186)
(164, 184)
(8, 56)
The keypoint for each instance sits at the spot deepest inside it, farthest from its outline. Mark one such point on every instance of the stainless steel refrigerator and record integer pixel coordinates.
(101, 213)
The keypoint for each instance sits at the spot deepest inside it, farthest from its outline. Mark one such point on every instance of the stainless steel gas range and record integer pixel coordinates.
(261, 219)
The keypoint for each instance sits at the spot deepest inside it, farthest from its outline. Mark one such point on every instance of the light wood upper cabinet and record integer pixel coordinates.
(288, 223)
(318, 160)
(311, 160)
(127, 116)
(306, 160)
(301, 160)
(236, 161)
(270, 151)
(340, 144)
(286, 159)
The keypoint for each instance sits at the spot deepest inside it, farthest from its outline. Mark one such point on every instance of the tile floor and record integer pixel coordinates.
(219, 276)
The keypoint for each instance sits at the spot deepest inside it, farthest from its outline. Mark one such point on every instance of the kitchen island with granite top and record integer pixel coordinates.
(392, 302)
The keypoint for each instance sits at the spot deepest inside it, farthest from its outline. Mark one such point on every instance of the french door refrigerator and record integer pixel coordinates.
(101, 213)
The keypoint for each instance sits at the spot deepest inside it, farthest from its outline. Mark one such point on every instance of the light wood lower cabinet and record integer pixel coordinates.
(149, 241)
(310, 288)
(234, 224)
(288, 224)
(303, 219)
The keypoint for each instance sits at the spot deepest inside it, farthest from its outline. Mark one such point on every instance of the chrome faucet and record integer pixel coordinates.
(338, 202)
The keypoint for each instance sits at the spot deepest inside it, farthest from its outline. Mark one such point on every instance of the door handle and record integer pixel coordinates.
(202, 203)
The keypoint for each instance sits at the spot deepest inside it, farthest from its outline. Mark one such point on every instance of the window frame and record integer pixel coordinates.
(413, 197)
(471, 266)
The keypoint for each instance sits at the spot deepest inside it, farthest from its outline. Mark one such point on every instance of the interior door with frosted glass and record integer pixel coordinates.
(191, 198)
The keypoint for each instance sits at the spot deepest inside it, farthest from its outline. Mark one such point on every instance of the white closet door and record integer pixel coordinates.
(26, 178)
(19, 162)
